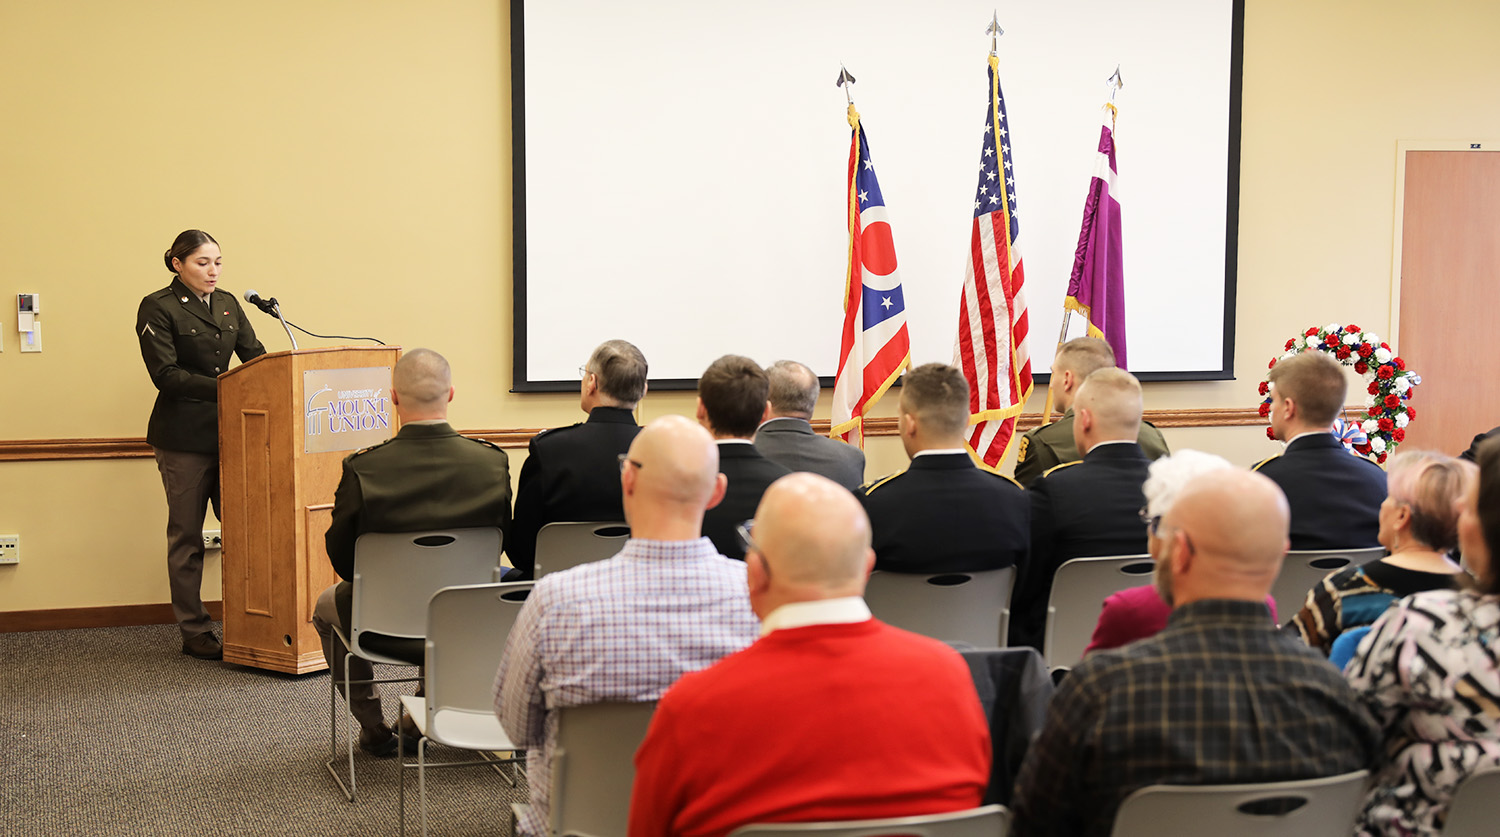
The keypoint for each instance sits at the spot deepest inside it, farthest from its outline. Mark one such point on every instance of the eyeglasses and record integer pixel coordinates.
(626, 460)
(583, 372)
(745, 530)
(1152, 521)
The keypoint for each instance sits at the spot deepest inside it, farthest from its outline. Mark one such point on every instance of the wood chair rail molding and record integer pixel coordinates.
(41, 450)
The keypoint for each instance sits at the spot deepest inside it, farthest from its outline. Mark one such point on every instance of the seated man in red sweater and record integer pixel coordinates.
(806, 724)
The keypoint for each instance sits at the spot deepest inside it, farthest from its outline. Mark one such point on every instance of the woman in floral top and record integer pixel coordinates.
(1430, 673)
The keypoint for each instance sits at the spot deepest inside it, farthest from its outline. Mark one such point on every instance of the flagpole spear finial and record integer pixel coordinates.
(1115, 82)
(846, 81)
(994, 31)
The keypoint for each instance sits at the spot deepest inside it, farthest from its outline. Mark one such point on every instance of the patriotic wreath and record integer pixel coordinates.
(1387, 412)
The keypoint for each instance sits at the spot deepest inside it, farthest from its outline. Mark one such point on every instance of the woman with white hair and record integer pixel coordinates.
(1140, 612)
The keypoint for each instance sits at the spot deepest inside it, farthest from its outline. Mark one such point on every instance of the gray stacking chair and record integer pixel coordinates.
(561, 546)
(1079, 588)
(1271, 809)
(1302, 569)
(593, 767)
(989, 821)
(395, 575)
(955, 607)
(466, 632)
(1475, 807)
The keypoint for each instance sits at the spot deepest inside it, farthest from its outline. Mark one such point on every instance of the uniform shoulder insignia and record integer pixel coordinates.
(486, 442)
(1256, 466)
(1021, 451)
(554, 430)
(870, 486)
(1049, 471)
(372, 447)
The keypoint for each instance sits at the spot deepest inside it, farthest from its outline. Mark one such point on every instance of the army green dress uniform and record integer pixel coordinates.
(1051, 445)
(186, 345)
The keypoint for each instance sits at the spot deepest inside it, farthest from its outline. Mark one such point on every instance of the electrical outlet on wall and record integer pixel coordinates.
(10, 549)
(211, 539)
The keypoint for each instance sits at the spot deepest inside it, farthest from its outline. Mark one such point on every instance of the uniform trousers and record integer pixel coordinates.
(191, 481)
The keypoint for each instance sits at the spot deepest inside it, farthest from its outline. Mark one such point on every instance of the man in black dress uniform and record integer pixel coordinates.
(426, 477)
(944, 513)
(787, 437)
(1089, 508)
(732, 402)
(1335, 496)
(573, 473)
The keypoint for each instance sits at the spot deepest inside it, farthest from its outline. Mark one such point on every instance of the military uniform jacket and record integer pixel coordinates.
(945, 514)
(186, 346)
(1051, 445)
(791, 443)
(426, 477)
(570, 474)
(749, 475)
(1334, 496)
(1085, 509)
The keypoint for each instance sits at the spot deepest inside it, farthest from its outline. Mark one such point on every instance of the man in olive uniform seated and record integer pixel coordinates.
(1052, 444)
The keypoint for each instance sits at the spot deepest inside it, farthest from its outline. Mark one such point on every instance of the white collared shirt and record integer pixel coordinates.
(1113, 442)
(821, 612)
(937, 452)
(1309, 433)
(734, 441)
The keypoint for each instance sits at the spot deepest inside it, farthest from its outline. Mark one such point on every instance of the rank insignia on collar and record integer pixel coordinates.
(184, 299)
(1021, 453)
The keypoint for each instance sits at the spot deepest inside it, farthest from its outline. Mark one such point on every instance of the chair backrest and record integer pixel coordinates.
(1304, 568)
(562, 546)
(1475, 807)
(466, 631)
(1294, 809)
(954, 607)
(989, 821)
(593, 766)
(395, 575)
(1079, 588)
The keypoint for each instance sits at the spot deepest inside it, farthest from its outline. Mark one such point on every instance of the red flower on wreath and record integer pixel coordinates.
(1330, 340)
(1363, 447)
(1290, 343)
(1342, 352)
(1265, 388)
(1351, 329)
(1385, 372)
(1399, 435)
(1265, 409)
(1400, 364)
(1312, 332)
(1272, 364)
(1385, 346)
(1380, 459)
(1362, 368)
(1386, 424)
(1393, 401)
(1373, 388)
(1271, 433)
(1365, 350)
(1411, 413)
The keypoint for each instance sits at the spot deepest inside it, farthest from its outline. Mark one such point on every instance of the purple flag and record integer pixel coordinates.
(1097, 287)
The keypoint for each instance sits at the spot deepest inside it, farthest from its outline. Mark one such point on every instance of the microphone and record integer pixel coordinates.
(266, 305)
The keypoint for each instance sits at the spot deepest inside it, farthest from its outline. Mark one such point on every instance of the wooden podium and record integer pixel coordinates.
(286, 422)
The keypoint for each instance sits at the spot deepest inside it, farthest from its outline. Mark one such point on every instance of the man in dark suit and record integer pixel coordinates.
(1089, 508)
(1052, 444)
(787, 438)
(732, 402)
(943, 514)
(426, 477)
(1335, 496)
(572, 473)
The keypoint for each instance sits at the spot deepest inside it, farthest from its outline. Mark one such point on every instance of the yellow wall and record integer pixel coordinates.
(353, 157)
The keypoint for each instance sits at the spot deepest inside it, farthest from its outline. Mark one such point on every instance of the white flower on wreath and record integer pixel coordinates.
(1298, 345)
(1382, 355)
(1402, 419)
(1351, 339)
(1332, 327)
(1370, 401)
(1402, 384)
(1377, 444)
(1370, 425)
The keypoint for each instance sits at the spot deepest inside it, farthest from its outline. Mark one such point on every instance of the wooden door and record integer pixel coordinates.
(1450, 294)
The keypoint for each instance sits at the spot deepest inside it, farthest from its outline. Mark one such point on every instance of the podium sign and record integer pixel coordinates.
(346, 409)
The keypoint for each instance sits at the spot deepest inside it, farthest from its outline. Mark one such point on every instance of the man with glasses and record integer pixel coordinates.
(624, 629)
(569, 472)
(831, 714)
(1089, 508)
(1220, 696)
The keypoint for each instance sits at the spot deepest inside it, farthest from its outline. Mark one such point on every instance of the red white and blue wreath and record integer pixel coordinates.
(1390, 384)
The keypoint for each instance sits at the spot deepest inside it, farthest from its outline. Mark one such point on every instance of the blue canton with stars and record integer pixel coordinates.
(995, 165)
(878, 306)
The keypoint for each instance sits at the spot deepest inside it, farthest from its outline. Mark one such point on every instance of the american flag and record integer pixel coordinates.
(992, 325)
(875, 346)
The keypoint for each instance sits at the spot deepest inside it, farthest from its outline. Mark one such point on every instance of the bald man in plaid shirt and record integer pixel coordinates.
(624, 629)
(1220, 696)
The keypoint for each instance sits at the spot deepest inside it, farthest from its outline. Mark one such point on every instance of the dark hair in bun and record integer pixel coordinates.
(186, 242)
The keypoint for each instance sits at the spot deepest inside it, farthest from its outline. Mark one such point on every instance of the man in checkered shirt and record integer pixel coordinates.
(1218, 697)
(624, 629)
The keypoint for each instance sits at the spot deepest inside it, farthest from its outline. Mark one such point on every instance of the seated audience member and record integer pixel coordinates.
(732, 402)
(1473, 449)
(426, 477)
(1052, 444)
(1334, 496)
(624, 629)
(807, 723)
(572, 473)
(1220, 696)
(1089, 508)
(787, 437)
(1430, 672)
(1139, 612)
(943, 514)
(1418, 526)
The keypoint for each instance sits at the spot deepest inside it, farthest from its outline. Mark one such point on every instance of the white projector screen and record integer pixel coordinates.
(680, 172)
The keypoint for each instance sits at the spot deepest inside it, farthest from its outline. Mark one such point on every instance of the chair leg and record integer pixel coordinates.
(333, 731)
(422, 779)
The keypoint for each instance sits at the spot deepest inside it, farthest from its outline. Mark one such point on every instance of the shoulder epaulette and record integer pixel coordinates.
(1256, 466)
(1049, 471)
(868, 487)
(485, 442)
(373, 447)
